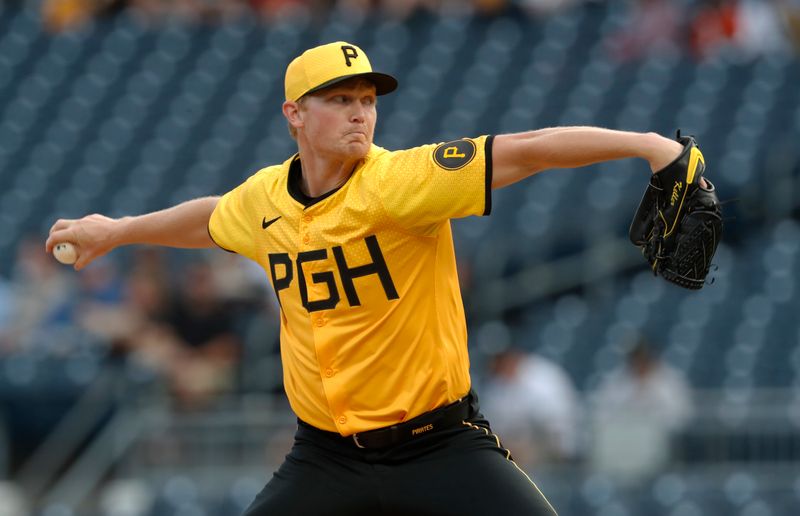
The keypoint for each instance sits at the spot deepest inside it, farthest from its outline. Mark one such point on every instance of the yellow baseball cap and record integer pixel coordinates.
(325, 65)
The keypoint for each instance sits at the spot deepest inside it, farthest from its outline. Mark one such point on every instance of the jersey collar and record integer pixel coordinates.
(296, 178)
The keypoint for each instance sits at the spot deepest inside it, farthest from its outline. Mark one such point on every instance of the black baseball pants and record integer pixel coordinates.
(462, 470)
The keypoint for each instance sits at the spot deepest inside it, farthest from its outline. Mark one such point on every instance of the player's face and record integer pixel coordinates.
(339, 121)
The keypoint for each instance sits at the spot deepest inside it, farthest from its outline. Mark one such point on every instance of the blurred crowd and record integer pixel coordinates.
(184, 318)
(706, 27)
(635, 413)
(204, 326)
(700, 27)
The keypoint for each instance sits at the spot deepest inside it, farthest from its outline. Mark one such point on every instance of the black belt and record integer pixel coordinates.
(425, 424)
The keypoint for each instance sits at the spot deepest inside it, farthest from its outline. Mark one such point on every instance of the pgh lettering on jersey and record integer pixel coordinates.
(366, 279)
(346, 275)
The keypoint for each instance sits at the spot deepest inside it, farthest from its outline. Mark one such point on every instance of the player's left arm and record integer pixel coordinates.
(517, 156)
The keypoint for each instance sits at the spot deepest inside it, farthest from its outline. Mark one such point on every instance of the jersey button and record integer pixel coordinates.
(306, 239)
(329, 373)
(320, 322)
(307, 218)
(342, 420)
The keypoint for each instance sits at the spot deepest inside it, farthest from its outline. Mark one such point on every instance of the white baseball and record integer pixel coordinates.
(65, 253)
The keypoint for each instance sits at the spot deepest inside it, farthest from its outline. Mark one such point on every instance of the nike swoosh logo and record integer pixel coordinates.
(267, 223)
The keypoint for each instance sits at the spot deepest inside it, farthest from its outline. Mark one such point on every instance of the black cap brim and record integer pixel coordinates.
(384, 83)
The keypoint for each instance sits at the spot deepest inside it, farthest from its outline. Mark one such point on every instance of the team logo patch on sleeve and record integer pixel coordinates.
(455, 155)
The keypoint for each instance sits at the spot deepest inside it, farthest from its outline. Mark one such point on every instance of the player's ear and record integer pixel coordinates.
(291, 110)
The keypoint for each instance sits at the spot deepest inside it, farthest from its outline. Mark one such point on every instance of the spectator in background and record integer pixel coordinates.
(193, 11)
(534, 406)
(206, 346)
(760, 30)
(278, 9)
(137, 326)
(356, 8)
(544, 7)
(490, 7)
(714, 27)
(39, 286)
(403, 9)
(638, 408)
(790, 15)
(239, 283)
(652, 28)
(65, 15)
(98, 291)
(186, 337)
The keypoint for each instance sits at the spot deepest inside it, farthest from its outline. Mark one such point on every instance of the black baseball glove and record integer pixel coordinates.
(678, 224)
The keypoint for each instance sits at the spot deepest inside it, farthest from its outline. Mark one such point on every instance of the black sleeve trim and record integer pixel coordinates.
(488, 177)
(208, 229)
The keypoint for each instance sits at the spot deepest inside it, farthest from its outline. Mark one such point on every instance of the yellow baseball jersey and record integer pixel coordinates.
(372, 322)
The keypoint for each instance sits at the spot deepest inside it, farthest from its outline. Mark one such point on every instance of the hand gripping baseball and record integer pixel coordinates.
(91, 235)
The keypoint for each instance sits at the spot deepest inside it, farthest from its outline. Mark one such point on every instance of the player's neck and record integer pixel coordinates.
(321, 175)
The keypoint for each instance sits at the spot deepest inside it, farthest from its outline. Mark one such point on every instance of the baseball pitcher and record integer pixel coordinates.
(356, 242)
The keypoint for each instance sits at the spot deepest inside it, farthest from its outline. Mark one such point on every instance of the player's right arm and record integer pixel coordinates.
(184, 225)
